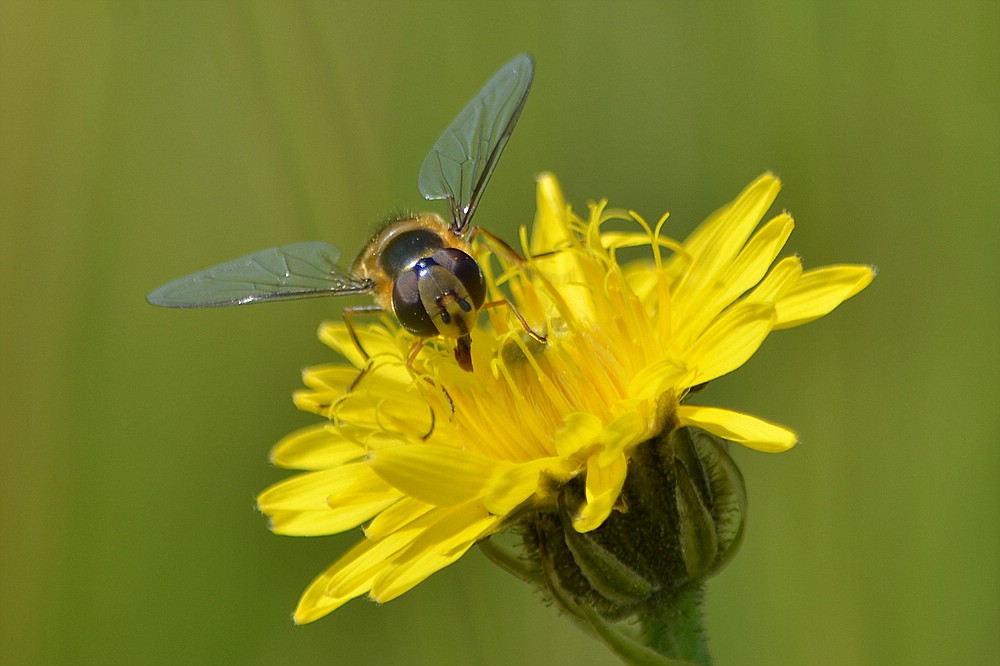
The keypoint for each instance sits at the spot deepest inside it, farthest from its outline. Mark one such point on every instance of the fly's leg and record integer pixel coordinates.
(502, 247)
(538, 337)
(349, 313)
(411, 357)
(499, 245)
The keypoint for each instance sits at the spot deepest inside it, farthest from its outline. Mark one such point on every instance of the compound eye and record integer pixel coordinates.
(409, 308)
(466, 270)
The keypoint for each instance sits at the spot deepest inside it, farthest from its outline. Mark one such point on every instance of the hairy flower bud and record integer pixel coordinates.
(679, 520)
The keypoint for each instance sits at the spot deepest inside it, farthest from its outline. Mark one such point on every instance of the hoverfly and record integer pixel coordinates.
(418, 267)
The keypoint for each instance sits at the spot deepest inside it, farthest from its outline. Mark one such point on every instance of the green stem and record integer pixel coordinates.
(626, 646)
(673, 627)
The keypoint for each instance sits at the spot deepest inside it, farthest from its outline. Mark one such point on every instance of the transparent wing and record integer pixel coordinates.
(462, 161)
(300, 270)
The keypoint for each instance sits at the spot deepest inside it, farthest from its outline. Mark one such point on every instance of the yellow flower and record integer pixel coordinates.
(434, 458)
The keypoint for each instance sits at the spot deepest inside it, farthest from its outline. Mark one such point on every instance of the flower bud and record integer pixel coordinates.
(679, 520)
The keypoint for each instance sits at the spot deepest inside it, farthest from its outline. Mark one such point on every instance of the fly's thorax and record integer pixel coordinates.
(400, 243)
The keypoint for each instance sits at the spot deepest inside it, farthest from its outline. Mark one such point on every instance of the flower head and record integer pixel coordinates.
(433, 459)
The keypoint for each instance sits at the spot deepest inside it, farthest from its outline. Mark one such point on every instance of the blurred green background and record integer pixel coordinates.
(140, 141)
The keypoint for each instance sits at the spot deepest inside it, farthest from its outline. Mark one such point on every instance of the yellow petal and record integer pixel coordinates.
(315, 447)
(396, 517)
(315, 601)
(550, 230)
(714, 245)
(317, 402)
(359, 568)
(819, 291)
(745, 271)
(364, 489)
(750, 431)
(522, 481)
(394, 416)
(439, 475)
(604, 485)
(333, 377)
(346, 508)
(579, 430)
(642, 278)
(620, 433)
(752, 263)
(439, 545)
(657, 378)
(779, 281)
(310, 491)
(377, 342)
(735, 221)
(335, 335)
(552, 244)
(329, 521)
(350, 576)
(729, 342)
